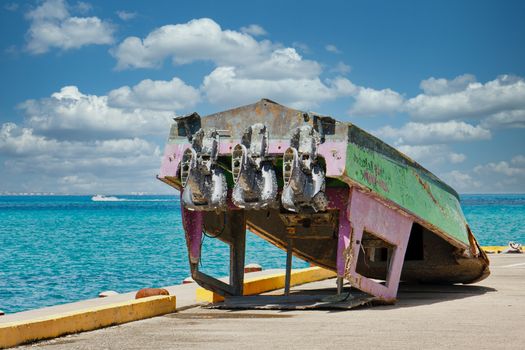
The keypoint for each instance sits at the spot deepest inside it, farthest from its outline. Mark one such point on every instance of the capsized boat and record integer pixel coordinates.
(323, 190)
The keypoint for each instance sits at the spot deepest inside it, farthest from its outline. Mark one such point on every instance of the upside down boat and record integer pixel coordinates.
(323, 190)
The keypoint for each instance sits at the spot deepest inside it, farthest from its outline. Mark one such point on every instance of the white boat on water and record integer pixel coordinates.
(102, 198)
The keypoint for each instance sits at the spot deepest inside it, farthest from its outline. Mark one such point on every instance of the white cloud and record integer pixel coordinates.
(126, 15)
(501, 176)
(198, 40)
(505, 119)
(437, 87)
(464, 98)
(371, 102)
(53, 26)
(155, 95)
(72, 113)
(282, 63)
(518, 160)
(342, 68)
(50, 9)
(204, 40)
(224, 87)
(115, 165)
(20, 141)
(246, 69)
(456, 158)
(462, 182)
(502, 167)
(254, 30)
(16, 141)
(499, 103)
(83, 7)
(440, 132)
(332, 48)
(431, 155)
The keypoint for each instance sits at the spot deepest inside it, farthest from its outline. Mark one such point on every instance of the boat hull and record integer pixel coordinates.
(381, 215)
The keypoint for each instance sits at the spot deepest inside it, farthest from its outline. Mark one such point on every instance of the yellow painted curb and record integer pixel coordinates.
(497, 248)
(258, 285)
(16, 333)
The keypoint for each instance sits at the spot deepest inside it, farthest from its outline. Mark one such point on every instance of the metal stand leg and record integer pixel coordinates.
(237, 251)
(288, 268)
(339, 285)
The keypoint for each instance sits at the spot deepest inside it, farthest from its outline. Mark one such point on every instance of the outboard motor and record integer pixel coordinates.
(204, 183)
(253, 171)
(304, 178)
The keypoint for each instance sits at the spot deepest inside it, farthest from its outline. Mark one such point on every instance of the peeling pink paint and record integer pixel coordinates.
(192, 222)
(367, 214)
(334, 153)
(171, 159)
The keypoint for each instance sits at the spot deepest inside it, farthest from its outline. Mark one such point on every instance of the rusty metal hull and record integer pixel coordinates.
(357, 206)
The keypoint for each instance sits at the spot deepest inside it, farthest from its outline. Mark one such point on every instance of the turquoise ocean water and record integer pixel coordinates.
(58, 249)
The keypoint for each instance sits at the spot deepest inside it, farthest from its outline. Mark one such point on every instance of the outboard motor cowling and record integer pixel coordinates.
(253, 171)
(204, 183)
(304, 178)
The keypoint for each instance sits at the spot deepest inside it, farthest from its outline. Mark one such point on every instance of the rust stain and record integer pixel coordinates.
(427, 189)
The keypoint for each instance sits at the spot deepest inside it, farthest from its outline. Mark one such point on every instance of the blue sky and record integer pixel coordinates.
(88, 89)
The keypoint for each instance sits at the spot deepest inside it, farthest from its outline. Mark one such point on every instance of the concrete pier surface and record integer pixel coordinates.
(486, 315)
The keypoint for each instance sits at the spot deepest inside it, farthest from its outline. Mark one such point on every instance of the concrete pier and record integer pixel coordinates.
(486, 315)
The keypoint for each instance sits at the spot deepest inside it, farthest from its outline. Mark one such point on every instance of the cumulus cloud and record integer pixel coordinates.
(282, 64)
(464, 98)
(518, 160)
(116, 165)
(52, 26)
(223, 86)
(83, 7)
(204, 40)
(81, 143)
(505, 119)
(155, 95)
(500, 176)
(246, 69)
(462, 181)
(17, 141)
(440, 132)
(502, 167)
(126, 15)
(432, 155)
(341, 68)
(21, 141)
(370, 102)
(499, 103)
(254, 30)
(71, 113)
(437, 87)
(198, 40)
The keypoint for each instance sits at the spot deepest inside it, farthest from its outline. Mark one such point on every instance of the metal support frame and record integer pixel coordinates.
(193, 226)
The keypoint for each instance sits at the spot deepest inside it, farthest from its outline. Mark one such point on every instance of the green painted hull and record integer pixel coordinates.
(411, 188)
